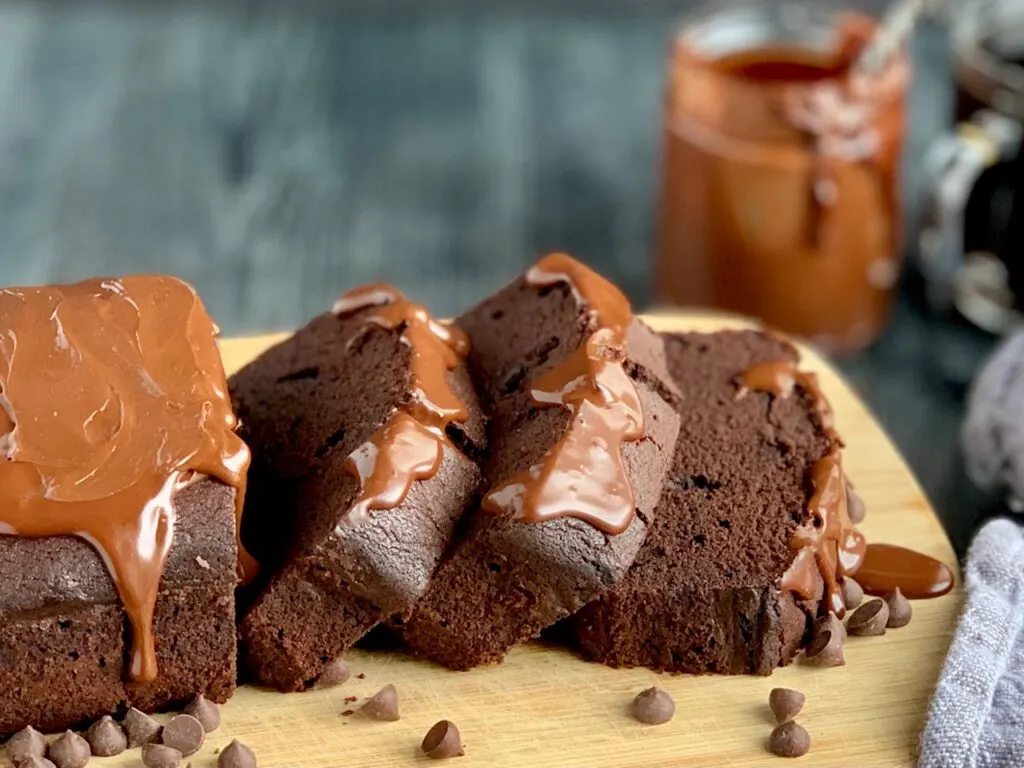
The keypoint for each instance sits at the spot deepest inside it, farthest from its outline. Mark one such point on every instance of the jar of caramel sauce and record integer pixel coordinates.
(780, 178)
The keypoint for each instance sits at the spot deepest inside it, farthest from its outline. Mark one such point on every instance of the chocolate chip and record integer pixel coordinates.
(853, 593)
(869, 619)
(160, 756)
(205, 711)
(184, 733)
(35, 762)
(237, 755)
(825, 650)
(830, 623)
(653, 707)
(789, 740)
(900, 611)
(785, 703)
(443, 740)
(383, 705)
(140, 728)
(26, 743)
(855, 507)
(69, 751)
(106, 738)
(335, 674)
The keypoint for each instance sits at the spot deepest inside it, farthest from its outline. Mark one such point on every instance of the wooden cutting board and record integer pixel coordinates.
(546, 707)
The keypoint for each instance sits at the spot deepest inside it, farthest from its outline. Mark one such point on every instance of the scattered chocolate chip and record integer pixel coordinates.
(869, 619)
(335, 674)
(69, 751)
(785, 703)
(160, 756)
(789, 740)
(205, 711)
(26, 743)
(853, 593)
(350, 699)
(900, 611)
(35, 761)
(825, 649)
(855, 506)
(361, 676)
(106, 738)
(236, 755)
(830, 623)
(443, 740)
(383, 705)
(348, 712)
(140, 728)
(184, 733)
(653, 707)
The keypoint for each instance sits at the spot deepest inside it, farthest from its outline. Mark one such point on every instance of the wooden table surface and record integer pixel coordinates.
(546, 707)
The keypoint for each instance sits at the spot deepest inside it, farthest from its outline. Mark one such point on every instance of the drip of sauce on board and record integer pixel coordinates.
(582, 476)
(114, 398)
(410, 446)
(886, 566)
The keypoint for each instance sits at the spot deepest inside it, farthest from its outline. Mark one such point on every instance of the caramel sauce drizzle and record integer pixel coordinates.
(113, 398)
(582, 476)
(829, 546)
(410, 446)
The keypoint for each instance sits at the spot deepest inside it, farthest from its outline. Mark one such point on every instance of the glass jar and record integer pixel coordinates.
(780, 177)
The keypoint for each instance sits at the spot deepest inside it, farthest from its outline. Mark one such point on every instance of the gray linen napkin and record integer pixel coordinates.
(993, 432)
(976, 718)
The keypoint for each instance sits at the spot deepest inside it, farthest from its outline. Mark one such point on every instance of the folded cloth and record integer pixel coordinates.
(977, 715)
(993, 432)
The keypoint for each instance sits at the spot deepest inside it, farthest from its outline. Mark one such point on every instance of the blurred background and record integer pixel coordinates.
(274, 154)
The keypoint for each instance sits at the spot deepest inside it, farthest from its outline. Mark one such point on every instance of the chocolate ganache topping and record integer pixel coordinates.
(113, 398)
(918, 576)
(582, 475)
(829, 544)
(410, 445)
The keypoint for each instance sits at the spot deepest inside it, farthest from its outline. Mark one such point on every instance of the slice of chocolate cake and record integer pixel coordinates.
(581, 436)
(119, 489)
(752, 531)
(363, 426)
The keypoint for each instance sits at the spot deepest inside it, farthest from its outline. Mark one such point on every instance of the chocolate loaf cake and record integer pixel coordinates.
(752, 530)
(582, 428)
(118, 502)
(365, 431)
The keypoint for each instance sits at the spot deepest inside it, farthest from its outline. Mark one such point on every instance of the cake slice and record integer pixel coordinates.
(582, 428)
(752, 530)
(364, 428)
(119, 490)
